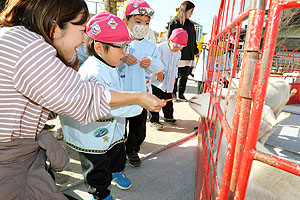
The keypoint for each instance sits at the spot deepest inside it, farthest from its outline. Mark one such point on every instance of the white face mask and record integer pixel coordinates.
(139, 31)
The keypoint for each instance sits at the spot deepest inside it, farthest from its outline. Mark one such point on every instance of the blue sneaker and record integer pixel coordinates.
(109, 197)
(121, 180)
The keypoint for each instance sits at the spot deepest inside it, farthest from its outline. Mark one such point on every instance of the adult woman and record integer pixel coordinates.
(38, 40)
(181, 20)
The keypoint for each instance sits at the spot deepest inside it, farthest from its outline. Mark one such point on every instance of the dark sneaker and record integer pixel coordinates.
(121, 180)
(134, 159)
(171, 121)
(158, 126)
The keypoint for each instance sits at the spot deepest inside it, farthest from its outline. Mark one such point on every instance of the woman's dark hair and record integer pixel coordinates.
(90, 50)
(41, 16)
(184, 6)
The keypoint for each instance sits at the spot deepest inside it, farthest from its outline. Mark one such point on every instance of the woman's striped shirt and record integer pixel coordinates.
(33, 81)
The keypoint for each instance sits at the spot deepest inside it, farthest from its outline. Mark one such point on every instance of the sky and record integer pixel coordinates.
(165, 9)
(203, 13)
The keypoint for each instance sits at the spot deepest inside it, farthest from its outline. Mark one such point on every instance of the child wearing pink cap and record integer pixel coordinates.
(101, 144)
(163, 82)
(142, 60)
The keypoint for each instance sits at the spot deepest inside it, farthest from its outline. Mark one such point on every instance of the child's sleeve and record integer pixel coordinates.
(82, 55)
(178, 59)
(126, 111)
(160, 48)
(156, 64)
(121, 66)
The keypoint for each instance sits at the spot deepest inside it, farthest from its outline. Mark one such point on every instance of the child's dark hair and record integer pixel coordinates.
(129, 16)
(90, 47)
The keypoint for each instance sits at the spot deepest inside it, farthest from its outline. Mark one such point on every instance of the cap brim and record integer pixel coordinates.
(141, 11)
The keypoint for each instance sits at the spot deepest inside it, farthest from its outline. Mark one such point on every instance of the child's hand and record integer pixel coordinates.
(145, 62)
(130, 59)
(160, 76)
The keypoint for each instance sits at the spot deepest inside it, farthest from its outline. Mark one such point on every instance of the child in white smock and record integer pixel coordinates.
(142, 60)
(101, 144)
(163, 82)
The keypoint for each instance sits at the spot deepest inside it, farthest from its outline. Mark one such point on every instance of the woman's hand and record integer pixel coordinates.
(160, 76)
(130, 59)
(150, 102)
(144, 99)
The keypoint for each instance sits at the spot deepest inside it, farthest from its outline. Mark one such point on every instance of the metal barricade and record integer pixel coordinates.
(228, 134)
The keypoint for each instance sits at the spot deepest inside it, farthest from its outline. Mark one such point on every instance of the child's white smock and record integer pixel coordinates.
(134, 77)
(170, 61)
(98, 137)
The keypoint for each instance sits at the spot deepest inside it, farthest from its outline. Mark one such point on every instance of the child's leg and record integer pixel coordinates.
(136, 133)
(96, 173)
(136, 136)
(117, 158)
(175, 85)
(155, 115)
(168, 109)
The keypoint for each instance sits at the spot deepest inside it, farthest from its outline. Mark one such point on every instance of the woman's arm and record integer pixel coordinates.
(144, 99)
(172, 25)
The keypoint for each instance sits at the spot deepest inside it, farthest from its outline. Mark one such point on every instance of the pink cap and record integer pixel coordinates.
(138, 7)
(106, 27)
(179, 36)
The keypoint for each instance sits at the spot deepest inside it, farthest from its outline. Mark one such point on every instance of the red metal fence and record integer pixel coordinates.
(253, 65)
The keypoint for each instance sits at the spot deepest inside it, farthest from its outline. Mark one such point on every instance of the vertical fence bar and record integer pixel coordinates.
(252, 45)
(263, 67)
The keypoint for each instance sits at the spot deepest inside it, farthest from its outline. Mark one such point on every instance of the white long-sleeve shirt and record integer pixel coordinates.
(134, 77)
(98, 137)
(170, 61)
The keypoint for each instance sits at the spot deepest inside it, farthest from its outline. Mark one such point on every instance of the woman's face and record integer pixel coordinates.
(68, 40)
(189, 13)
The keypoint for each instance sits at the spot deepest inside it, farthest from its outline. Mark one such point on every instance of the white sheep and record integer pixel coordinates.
(278, 93)
(268, 121)
(265, 182)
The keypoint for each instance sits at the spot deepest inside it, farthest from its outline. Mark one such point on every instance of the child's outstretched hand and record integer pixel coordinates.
(160, 76)
(145, 62)
(130, 59)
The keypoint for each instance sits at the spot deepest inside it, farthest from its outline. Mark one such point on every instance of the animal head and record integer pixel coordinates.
(200, 104)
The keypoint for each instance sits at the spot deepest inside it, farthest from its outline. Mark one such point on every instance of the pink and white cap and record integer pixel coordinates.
(138, 7)
(106, 27)
(179, 36)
